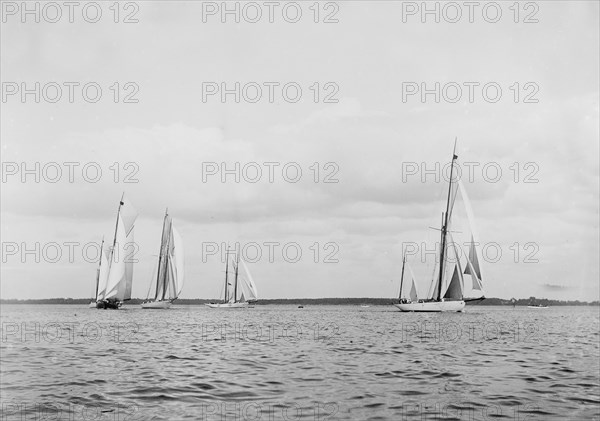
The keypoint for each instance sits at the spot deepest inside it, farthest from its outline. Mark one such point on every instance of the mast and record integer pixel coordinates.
(121, 203)
(226, 271)
(160, 256)
(402, 276)
(116, 228)
(166, 248)
(237, 265)
(445, 226)
(98, 270)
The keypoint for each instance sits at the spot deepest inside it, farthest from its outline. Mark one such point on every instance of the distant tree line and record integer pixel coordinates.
(324, 301)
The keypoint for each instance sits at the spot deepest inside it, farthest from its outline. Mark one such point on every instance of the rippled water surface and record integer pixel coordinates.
(281, 362)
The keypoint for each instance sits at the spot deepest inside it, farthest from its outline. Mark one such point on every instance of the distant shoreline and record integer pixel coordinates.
(317, 301)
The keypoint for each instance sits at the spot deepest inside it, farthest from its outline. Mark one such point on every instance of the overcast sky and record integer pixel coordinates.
(375, 141)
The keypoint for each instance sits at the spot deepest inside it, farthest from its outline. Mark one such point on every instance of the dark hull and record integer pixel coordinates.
(111, 305)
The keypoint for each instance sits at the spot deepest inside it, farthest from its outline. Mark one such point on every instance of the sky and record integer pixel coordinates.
(352, 119)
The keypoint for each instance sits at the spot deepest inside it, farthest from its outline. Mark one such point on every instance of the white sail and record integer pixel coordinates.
(129, 256)
(177, 262)
(413, 289)
(230, 282)
(413, 292)
(116, 271)
(473, 267)
(433, 286)
(170, 271)
(476, 285)
(409, 280)
(128, 216)
(454, 287)
(248, 286)
(102, 276)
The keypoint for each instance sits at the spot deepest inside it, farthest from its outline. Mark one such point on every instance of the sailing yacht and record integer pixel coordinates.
(169, 278)
(101, 273)
(114, 284)
(243, 290)
(412, 295)
(448, 286)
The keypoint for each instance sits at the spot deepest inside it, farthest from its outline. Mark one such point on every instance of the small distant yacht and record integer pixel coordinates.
(243, 291)
(537, 306)
(169, 277)
(100, 274)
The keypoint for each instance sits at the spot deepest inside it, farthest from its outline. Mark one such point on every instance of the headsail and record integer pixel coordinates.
(116, 271)
(472, 257)
(102, 276)
(410, 281)
(248, 287)
(413, 292)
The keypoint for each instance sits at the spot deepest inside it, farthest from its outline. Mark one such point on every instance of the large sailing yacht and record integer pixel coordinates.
(114, 284)
(447, 288)
(169, 277)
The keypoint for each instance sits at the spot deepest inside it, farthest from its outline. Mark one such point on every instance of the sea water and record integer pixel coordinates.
(276, 362)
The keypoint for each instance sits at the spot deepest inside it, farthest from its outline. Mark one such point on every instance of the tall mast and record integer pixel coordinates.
(166, 252)
(226, 271)
(116, 228)
(117, 223)
(237, 265)
(445, 226)
(160, 257)
(402, 276)
(99, 265)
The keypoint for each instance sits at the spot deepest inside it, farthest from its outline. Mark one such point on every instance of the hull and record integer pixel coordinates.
(111, 305)
(432, 306)
(92, 304)
(537, 306)
(157, 305)
(227, 305)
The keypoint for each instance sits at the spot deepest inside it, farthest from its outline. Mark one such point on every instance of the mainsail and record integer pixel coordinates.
(170, 273)
(120, 257)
